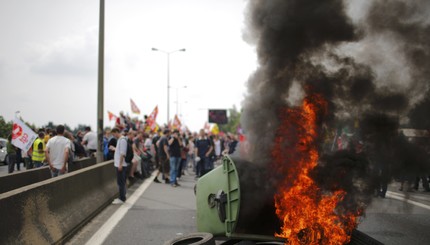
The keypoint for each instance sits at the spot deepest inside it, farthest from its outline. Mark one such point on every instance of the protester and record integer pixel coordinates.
(121, 165)
(38, 155)
(203, 149)
(57, 152)
(11, 152)
(106, 137)
(163, 154)
(137, 151)
(175, 144)
(233, 144)
(90, 141)
(191, 154)
(184, 154)
(218, 147)
(112, 143)
(155, 139)
(72, 155)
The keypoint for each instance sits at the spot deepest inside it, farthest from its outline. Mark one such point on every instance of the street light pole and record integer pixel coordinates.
(100, 93)
(168, 76)
(168, 88)
(177, 97)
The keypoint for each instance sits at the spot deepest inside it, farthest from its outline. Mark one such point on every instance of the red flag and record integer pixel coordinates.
(151, 120)
(112, 116)
(134, 108)
(176, 123)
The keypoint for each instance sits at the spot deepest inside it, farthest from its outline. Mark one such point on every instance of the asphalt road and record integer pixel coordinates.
(4, 168)
(163, 212)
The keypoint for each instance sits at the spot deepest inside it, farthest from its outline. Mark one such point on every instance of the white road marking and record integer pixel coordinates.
(100, 236)
(402, 198)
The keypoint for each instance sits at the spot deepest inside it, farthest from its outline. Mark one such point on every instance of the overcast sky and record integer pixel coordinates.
(48, 58)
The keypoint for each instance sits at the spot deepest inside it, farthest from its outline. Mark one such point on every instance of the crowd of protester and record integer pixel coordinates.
(135, 148)
(169, 151)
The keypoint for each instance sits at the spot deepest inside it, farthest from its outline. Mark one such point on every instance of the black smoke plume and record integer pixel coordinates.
(370, 61)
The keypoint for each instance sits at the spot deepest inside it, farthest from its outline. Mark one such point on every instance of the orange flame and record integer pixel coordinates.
(308, 216)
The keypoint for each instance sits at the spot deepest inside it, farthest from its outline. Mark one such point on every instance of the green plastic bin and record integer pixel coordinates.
(235, 200)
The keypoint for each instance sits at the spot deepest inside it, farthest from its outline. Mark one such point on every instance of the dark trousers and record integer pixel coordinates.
(182, 164)
(204, 165)
(121, 180)
(28, 163)
(12, 161)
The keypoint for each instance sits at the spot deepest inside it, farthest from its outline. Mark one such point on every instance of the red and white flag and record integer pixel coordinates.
(134, 108)
(151, 120)
(111, 116)
(22, 136)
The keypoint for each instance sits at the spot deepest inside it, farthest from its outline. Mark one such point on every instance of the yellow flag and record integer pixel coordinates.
(215, 129)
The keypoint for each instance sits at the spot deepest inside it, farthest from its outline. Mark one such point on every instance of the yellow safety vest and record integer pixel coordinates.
(38, 157)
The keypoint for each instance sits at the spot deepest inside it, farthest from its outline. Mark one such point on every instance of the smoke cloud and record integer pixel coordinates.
(369, 60)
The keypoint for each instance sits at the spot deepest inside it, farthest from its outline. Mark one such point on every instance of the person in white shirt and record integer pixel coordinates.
(120, 163)
(90, 140)
(57, 152)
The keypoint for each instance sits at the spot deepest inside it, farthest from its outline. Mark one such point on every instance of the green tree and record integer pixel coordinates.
(5, 128)
(233, 121)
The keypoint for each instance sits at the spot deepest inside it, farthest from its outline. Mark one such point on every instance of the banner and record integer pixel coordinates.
(112, 116)
(22, 136)
(134, 108)
(151, 120)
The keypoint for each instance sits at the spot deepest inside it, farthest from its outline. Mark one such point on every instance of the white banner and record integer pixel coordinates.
(22, 136)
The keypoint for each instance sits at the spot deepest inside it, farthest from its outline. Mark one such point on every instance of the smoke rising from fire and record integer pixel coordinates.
(369, 60)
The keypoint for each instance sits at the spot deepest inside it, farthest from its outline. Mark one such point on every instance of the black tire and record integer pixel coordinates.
(200, 238)
(6, 160)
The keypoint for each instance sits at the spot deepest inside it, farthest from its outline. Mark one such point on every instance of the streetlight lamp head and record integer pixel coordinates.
(154, 49)
(182, 50)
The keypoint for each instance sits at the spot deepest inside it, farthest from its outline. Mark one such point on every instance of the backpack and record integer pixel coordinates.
(129, 155)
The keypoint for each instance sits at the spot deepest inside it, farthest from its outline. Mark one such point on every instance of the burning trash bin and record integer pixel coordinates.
(235, 203)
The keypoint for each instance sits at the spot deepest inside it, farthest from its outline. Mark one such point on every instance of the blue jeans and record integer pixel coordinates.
(56, 173)
(174, 165)
(37, 164)
(121, 180)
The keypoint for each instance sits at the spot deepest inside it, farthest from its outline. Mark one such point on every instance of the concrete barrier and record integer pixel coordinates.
(82, 163)
(19, 179)
(50, 211)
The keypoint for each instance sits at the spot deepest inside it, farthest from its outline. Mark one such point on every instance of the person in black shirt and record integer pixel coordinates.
(163, 154)
(203, 150)
(112, 144)
(155, 139)
(175, 144)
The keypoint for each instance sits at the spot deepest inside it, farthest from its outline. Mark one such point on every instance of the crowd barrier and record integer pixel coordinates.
(50, 211)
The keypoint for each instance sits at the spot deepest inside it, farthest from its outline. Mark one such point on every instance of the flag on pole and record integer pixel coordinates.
(151, 120)
(215, 129)
(112, 116)
(22, 136)
(134, 108)
(176, 123)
